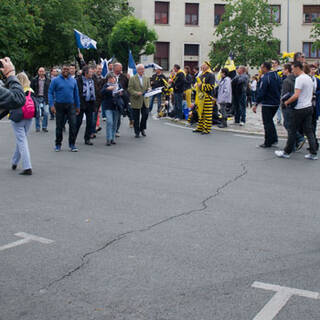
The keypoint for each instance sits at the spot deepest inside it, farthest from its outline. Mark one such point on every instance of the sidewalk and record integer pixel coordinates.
(253, 125)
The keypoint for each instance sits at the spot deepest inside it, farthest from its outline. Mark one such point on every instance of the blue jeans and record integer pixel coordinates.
(239, 104)
(21, 130)
(158, 96)
(254, 96)
(112, 123)
(178, 105)
(43, 112)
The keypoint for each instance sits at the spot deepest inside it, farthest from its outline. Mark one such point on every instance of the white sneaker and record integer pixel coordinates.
(311, 156)
(282, 154)
(242, 124)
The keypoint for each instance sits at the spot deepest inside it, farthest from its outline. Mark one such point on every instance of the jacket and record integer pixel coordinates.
(35, 87)
(157, 81)
(12, 95)
(108, 101)
(268, 92)
(135, 87)
(288, 85)
(188, 82)
(240, 84)
(225, 91)
(208, 81)
(83, 103)
(179, 82)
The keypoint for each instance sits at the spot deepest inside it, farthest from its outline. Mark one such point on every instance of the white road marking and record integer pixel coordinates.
(280, 299)
(177, 126)
(26, 239)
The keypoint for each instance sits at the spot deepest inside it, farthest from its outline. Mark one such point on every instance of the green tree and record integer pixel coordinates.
(315, 35)
(20, 26)
(246, 30)
(134, 34)
(104, 14)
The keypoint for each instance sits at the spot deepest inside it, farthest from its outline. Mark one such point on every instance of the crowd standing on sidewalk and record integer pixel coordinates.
(291, 92)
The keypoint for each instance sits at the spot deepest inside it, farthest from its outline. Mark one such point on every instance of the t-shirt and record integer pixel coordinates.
(254, 85)
(305, 84)
(41, 87)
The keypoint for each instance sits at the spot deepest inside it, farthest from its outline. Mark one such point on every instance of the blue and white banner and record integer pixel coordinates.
(83, 41)
(132, 70)
(105, 64)
(153, 66)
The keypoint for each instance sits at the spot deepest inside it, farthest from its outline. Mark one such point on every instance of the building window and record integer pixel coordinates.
(275, 12)
(191, 50)
(309, 52)
(219, 10)
(161, 56)
(192, 14)
(311, 13)
(161, 12)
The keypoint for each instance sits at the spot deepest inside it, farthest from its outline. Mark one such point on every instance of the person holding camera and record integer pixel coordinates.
(12, 94)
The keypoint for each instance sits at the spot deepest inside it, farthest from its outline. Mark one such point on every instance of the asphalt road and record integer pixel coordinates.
(174, 226)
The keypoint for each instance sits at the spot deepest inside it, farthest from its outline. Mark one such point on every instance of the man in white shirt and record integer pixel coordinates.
(302, 113)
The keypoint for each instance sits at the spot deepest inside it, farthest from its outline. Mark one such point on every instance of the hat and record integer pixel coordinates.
(208, 64)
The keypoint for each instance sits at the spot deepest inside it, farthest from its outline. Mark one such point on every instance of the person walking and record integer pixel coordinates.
(21, 127)
(302, 116)
(64, 101)
(269, 96)
(40, 85)
(224, 96)
(138, 85)
(87, 93)
(108, 94)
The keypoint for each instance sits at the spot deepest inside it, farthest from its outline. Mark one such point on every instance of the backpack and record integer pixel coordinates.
(29, 108)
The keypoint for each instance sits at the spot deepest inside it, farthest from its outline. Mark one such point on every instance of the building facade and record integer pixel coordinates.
(186, 28)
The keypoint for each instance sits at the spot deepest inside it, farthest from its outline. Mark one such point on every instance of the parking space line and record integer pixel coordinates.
(280, 299)
(26, 239)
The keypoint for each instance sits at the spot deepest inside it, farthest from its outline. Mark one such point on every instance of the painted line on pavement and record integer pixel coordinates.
(177, 126)
(280, 299)
(254, 137)
(26, 239)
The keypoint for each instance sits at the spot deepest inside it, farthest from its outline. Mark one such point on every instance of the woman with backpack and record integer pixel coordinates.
(21, 120)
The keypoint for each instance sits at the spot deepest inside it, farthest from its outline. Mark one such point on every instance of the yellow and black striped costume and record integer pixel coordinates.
(207, 79)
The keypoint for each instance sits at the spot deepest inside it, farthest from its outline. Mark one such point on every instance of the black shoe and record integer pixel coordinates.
(113, 142)
(27, 172)
(99, 129)
(264, 146)
(108, 143)
(45, 130)
(137, 136)
(14, 167)
(143, 133)
(88, 143)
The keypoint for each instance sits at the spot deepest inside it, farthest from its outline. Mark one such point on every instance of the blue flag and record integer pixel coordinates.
(83, 41)
(105, 64)
(132, 70)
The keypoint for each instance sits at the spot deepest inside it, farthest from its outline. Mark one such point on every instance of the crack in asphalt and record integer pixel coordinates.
(204, 205)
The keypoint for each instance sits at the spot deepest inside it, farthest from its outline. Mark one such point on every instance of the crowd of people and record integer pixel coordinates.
(203, 97)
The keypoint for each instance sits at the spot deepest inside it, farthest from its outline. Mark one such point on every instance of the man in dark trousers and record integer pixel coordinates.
(87, 93)
(138, 85)
(178, 85)
(269, 96)
(40, 85)
(64, 101)
(156, 81)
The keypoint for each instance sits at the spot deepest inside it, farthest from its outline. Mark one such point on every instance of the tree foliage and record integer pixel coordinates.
(37, 32)
(246, 30)
(134, 34)
(315, 34)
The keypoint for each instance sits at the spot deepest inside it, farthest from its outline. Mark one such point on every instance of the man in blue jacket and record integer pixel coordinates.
(64, 101)
(268, 94)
